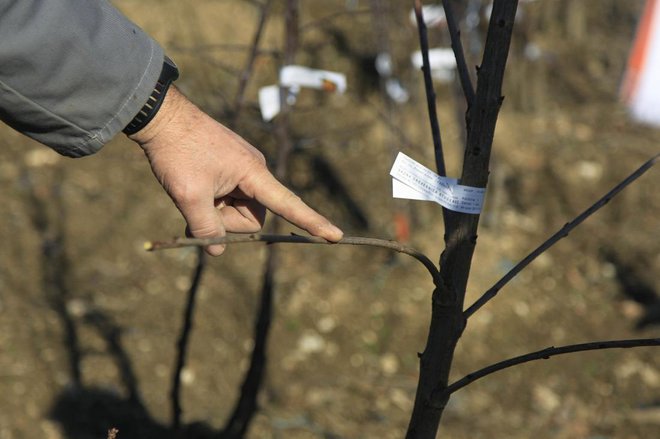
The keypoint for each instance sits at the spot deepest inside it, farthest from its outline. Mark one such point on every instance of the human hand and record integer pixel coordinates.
(217, 180)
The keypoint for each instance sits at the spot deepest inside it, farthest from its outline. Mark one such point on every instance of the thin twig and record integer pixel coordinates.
(395, 129)
(430, 92)
(228, 47)
(297, 239)
(184, 337)
(543, 354)
(246, 407)
(245, 75)
(314, 24)
(562, 233)
(457, 47)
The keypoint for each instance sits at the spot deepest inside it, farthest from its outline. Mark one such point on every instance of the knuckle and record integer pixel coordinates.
(185, 193)
(255, 160)
(260, 158)
(203, 230)
(178, 191)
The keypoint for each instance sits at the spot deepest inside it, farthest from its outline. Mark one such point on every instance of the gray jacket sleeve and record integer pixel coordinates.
(73, 73)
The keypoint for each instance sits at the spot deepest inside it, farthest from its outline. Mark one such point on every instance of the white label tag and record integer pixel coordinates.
(414, 181)
(293, 78)
(441, 58)
(269, 100)
(300, 76)
(441, 61)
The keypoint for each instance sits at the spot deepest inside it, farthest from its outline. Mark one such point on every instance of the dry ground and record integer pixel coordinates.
(89, 319)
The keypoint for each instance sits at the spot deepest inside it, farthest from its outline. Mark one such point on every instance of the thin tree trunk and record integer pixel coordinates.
(447, 319)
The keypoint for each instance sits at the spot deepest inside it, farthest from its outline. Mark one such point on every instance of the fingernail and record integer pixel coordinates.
(335, 232)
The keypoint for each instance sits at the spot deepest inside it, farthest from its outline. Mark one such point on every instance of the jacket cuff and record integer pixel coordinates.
(73, 73)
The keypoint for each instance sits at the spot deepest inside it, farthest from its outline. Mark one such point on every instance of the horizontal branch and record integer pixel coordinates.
(543, 354)
(562, 233)
(297, 239)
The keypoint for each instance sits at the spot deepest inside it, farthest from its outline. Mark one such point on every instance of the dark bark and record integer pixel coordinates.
(545, 354)
(239, 100)
(447, 320)
(561, 233)
(430, 92)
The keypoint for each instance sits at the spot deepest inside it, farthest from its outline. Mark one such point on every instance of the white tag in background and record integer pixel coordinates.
(442, 63)
(300, 76)
(414, 181)
(393, 86)
(269, 100)
(295, 77)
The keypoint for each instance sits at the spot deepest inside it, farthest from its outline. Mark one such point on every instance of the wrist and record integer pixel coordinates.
(169, 111)
(169, 73)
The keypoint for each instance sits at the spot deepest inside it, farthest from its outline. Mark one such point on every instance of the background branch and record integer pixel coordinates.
(430, 92)
(457, 47)
(314, 24)
(244, 77)
(224, 47)
(543, 354)
(562, 233)
(247, 406)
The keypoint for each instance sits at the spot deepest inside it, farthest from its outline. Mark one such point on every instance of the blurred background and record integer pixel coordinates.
(89, 320)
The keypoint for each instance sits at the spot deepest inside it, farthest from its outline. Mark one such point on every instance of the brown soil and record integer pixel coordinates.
(90, 320)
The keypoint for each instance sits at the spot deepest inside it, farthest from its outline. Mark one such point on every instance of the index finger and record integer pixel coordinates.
(281, 201)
